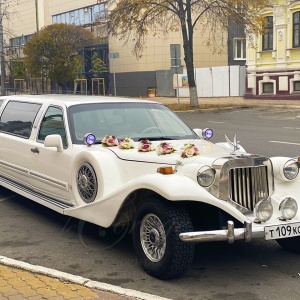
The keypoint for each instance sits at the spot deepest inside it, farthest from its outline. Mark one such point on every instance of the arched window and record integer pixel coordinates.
(296, 29)
(267, 43)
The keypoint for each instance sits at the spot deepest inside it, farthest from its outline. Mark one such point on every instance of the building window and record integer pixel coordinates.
(296, 29)
(83, 16)
(268, 88)
(296, 86)
(268, 34)
(20, 41)
(239, 48)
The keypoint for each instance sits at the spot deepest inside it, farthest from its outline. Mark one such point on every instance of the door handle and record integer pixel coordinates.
(35, 150)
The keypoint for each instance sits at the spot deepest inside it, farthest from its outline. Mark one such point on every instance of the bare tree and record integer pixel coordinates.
(137, 18)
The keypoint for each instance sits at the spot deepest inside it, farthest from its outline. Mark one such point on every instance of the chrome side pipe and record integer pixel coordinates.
(230, 234)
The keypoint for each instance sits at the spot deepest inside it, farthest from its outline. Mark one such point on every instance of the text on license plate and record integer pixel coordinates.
(282, 231)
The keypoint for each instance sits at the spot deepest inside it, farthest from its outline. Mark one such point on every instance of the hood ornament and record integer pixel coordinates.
(234, 146)
(178, 164)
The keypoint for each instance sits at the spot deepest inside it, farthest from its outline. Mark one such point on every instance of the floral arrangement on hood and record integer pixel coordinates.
(145, 146)
(109, 141)
(189, 150)
(165, 148)
(126, 143)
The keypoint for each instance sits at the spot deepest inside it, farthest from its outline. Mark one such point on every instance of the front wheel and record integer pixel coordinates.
(291, 244)
(156, 240)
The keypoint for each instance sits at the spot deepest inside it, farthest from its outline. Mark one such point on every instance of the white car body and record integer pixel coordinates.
(46, 171)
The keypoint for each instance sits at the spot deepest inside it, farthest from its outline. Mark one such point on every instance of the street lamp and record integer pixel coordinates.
(112, 56)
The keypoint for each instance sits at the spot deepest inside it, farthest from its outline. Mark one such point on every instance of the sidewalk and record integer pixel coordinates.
(220, 102)
(22, 281)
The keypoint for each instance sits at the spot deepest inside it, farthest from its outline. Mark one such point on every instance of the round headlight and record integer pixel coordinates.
(288, 208)
(263, 210)
(89, 139)
(206, 176)
(291, 170)
(207, 133)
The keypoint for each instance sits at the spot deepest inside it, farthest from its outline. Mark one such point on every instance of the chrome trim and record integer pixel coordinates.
(14, 167)
(230, 234)
(49, 180)
(35, 194)
(241, 166)
(242, 180)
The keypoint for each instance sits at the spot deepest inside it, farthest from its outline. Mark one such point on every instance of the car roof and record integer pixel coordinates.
(70, 100)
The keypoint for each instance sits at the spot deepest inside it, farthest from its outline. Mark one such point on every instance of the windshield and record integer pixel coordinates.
(135, 120)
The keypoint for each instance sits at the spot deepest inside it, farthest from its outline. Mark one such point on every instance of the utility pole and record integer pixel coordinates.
(2, 61)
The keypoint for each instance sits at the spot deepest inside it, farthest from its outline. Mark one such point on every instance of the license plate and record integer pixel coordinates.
(282, 231)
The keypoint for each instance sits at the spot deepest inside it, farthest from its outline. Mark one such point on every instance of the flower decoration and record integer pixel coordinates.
(165, 148)
(109, 141)
(126, 143)
(145, 146)
(189, 150)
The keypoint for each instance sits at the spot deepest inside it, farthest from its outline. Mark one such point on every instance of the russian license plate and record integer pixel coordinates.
(282, 231)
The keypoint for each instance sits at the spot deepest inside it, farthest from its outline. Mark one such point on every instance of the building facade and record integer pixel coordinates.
(129, 76)
(273, 58)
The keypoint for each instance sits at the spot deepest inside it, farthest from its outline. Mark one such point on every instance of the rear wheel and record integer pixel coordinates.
(156, 238)
(290, 244)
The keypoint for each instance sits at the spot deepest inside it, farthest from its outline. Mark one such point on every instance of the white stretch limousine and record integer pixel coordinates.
(114, 162)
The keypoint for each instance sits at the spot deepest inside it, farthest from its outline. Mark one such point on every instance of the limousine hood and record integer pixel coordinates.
(207, 152)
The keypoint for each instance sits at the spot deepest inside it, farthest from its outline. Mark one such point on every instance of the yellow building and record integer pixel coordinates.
(133, 76)
(273, 58)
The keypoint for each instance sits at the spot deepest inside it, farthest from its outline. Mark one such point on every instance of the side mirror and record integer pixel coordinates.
(198, 131)
(205, 134)
(54, 140)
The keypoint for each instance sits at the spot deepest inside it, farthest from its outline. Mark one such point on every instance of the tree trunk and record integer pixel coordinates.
(187, 35)
(191, 78)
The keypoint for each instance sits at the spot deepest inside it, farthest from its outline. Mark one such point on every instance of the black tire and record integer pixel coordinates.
(162, 222)
(290, 244)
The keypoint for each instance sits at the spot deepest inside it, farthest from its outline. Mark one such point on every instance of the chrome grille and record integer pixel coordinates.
(248, 185)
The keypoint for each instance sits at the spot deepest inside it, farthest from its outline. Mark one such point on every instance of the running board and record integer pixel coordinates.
(32, 195)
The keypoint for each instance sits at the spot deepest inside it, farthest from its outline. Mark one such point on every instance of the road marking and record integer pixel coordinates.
(278, 142)
(291, 128)
(216, 122)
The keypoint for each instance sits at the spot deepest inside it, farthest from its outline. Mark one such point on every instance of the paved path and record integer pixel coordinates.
(23, 281)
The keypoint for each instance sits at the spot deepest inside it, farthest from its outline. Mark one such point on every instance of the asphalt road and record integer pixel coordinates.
(256, 270)
(270, 132)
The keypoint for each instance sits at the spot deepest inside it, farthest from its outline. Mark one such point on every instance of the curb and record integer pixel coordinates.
(78, 279)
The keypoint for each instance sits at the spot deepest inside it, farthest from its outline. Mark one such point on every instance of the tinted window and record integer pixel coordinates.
(18, 117)
(53, 123)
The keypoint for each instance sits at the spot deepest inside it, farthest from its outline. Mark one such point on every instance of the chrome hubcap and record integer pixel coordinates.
(83, 182)
(153, 237)
(87, 183)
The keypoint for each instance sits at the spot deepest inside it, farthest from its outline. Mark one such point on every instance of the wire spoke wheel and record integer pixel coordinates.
(153, 237)
(155, 233)
(87, 183)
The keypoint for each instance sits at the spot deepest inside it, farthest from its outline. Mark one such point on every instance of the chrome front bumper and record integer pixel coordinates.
(230, 234)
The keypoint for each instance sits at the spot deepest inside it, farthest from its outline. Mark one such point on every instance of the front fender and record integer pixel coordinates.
(171, 187)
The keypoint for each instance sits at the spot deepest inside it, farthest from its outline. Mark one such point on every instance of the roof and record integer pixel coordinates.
(69, 100)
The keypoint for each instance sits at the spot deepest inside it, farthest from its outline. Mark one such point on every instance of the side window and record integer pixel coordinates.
(53, 123)
(18, 118)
